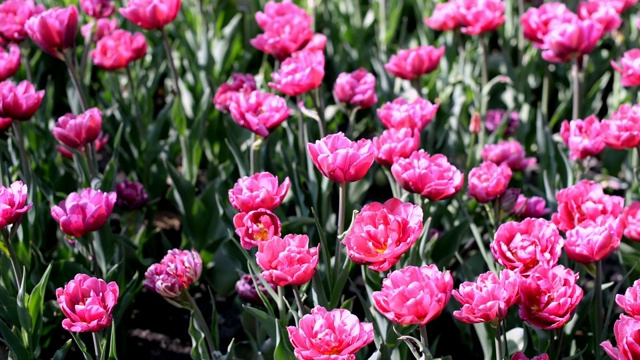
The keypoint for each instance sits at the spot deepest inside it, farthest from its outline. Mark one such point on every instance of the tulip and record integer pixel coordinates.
(258, 191)
(629, 68)
(382, 233)
(131, 195)
(13, 16)
(287, 261)
(549, 297)
(626, 330)
(100, 29)
(395, 143)
(300, 73)
(444, 17)
(54, 30)
(631, 221)
(151, 14)
(242, 83)
(593, 240)
(88, 303)
(335, 334)
(317, 42)
(582, 137)
(340, 159)
(259, 112)
(430, 176)
(480, 16)
(522, 246)
(536, 21)
(622, 129)
(620, 5)
(495, 118)
(521, 356)
(13, 203)
(533, 207)
(413, 63)
(488, 298)
(401, 114)
(569, 39)
(603, 14)
(9, 61)
(475, 124)
(19, 102)
(508, 152)
(246, 288)
(118, 49)
(488, 181)
(174, 273)
(78, 131)
(98, 8)
(356, 89)
(630, 301)
(98, 144)
(414, 295)
(256, 226)
(5, 123)
(83, 212)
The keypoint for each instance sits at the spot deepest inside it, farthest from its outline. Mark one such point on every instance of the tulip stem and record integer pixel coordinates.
(172, 66)
(19, 138)
(200, 320)
(252, 142)
(575, 73)
(134, 104)
(296, 294)
(318, 104)
(7, 236)
(26, 63)
(300, 127)
(96, 344)
(92, 159)
(417, 85)
(93, 256)
(425, 340)
(499, 345)
(71, 67)
(342, 197)
(484, 75)
(599, 315)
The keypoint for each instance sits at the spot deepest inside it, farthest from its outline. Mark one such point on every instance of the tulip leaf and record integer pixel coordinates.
(81, 345)
(113, 354)
(36, 303)
(199, 349)
(14, 343)
(61, 354)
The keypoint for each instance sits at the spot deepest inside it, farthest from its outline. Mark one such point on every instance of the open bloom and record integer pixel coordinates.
(549, 297)
(620, 5)
(401, 114)
(9, 61)
(536, 21)
(340, 159)
(488, 298)
(83, 212)
(335, 334)
(521, 246)
(495, 118)
(508, 152)
(13, 203)
(414, 295)
(256, 226)
(444, 17)
(98, 8)
(626, 330)
(151, 14)
(630, 301)
(602, 13)
(19, 102)
(479, 16)
(174, 273)
(593, 240)
(582, 137)
(54, 30)
(300, 73)
(13, 17)
(395, 143)
(100, 29)
(357, 88)
(629, 68)
(258, 191)
(521, 356)
(570, 38)
(430, 176)
(131, 195)
(88, 303)
(118, 49)
(488, 181)
(259, 112)
(287, 261)
(631, 221)
(583, 201)
(533, 207)
(382, 233)
(76, 131)
(622, 129)
(242, 83)
(413, 63)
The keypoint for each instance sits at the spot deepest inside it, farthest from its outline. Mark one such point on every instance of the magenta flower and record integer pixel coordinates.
(174, 273)
(357, 88)
(444, 17)
(480, 16)
(569, 39)
(536, 22)
(582, 137)
(593, 240)
(98, 144)
(13, 17)
(287, 261)
(413, 63)
(54, 30)
(395, 143)
(430, 176)
(488, 298)
(131, 195)
(402, 114)
(620, 5)
(495, 118)
(622, 129)
(258, 191)
(13, 203)
(19, 102)
(603, 14)
(300, 73)
(151, 14)
(246, 288)
(100, 29)
(9, 61)
(259, 112)
(340, 159)
(631, 221)
(629, 68)
(118, 49)
(521, 356)
(630, 301)
(242, 83)
(488, 181)
(256, 226)
(533, 207)
(83, 212)
(78, 131)
(509, 152)
(626, 330)
(88, 303)
(98, 8)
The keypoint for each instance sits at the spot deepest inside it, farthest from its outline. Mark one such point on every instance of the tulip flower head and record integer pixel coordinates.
(603, 14)
(78, 131)
(256, 226)
(131, 195)
(9, 61)
(620, 5)
(593, 240)
(570, 38)
(395, 143)
(508, 152)
(258, 111)
(242, 83)
(413, 63)
(630, 301)
(98, 8)
(536, 22)
(622, 129)
(300, 73)
(287, 261)
(118, 49)
(488, 181)
(174, 273)
(340, 159)
(583, 201)
(13, 203)
(246, 288)
(19, 102)
(258, 191)
(13, 17)
(533, 207)
(629, 68)
(495, 118)
(100, 29)
(87, 303)
(480, 16)
(488, 298)
(625, 330)
(521, 356)
(54, 30)
(151, 14)
(402, 114)
(631, 221)
(430, 176)
(356, 89)
(84, 211)
(444, 17)
(582, 137)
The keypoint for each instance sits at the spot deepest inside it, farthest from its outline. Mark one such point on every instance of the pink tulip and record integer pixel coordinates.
(488, 181)
(605, 15)
(629, 68)
(475, 124)
(300, 73)
(536, 22)
(356, 89)
(571, 38)
(78, 131)
(534, 207)
(100, 29)
(582, 137)
(258, 111)
(13, 203)
(414, 295)
(256, 226)
(522, 246)
(430, 176)
(83, 212)
(630, 301)
(287, 261)
(382, 233)
(549, 297)
(246, 288)
(318, 42)
(488, 298)
(5, 123)
(413, 63)
(395, 143)
(329, 335)
(151, 14)
(19, 102)
(131, 195)
(242, 83)
(340, 159)
(118, 49)
(402, 114)
(583, 201)
(626, 330)
(9, 61)
(444, 17)
(54, 30)
(593, 240)
(631, 221)
(174, 273)
(98, 144)
(521, 356)
(480, 16)
(13, 16)
(495, 118)
(620, 5)
(258, 191)
(508, 152)
(98, 8)
(622, 129)
(88, 303)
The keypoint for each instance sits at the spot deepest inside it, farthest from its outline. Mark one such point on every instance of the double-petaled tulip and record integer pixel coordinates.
(488, 181)
(630, 301)
(629, 68)
(602, 13)
(118, 49)
(582, 137)
(13, 17)
(622, 129)
(413, 63)
(444, 17)
(131, 195)
(340, 159)
(88, 303)
(248, 286)
(414, 295)
(54, 30)
(13, 203)
(522, 246)
(357, 88)
(287, 261)
(19, 102)
(536, 21)
(395, 143)
(83, 212)
(620, 5)
(480, 16)
(533, 207)
(98, 145)
(382, 233)
(99, 29)
(431, 176)
(5, 123)
(335, 334)
(256, 226)
(76, 131)
(402, 114)
(549, 297)
(631, 221)
(258, 191)
(174, 273)
(242, 83)
(507, 152)
(98, 8)
(151, 14)
(258, 111)
(488, 298)
(9, 61)
(495, 118)
(583, 201)
(300, 73)
(521, 356)
(570, 38)
(626, 330)
(593, 240)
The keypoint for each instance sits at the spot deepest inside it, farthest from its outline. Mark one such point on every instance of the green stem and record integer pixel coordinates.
(26, 63)
(317, 103)
(75, 80)
(575, 73)
(499, 345)
(425, 340)
(417, 85)
(599, 314)
(252, 150)
(15, 264)
(92, 159)
(472, 144)
(484, 75)
(172, 66)
(96, 345)
(342, 205)
(200, 320)
(301, 145)
(134, 104)
(296, 294)
(95, 268)
(19, 138)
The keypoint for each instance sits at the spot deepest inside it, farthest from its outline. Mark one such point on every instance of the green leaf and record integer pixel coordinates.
(199, 349)
(81, 345)
(113, 354)
(14, 343)
(36, 304)
(61, 354)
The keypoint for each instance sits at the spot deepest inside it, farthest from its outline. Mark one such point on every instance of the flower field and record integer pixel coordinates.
(334, 180)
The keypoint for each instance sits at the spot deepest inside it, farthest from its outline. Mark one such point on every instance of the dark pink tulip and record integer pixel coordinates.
(131, 195)
(258, 191)
(54, 30)
(630, 301)
(534, 207)
(626, 330)
(549, 297)
(536, 21)
(246, 288)
(605, 15)
(402, 114)
(521, 356)
(488, 181)
(88, 303)
(151, 14)
(5, 123)
(508, 152)
(475, 124)
(629, 68)
(444, 17)
(9, 61)
(620, 5)
(593, 240)
(118, 49)
(431, 176)
(83, 212)
(394, 143)
(631, 221)
(258, 111)
(583, 201)
(100, 29)
(356, 89)
(13, 203)
(98, 144)
(287, 261)
(495, 118)
(340, 159)
(77, 131)
(567, 40)
(480, 16)
(300, 73)
(582, 137)
(13, 17)
(256, 226)
(413, 63)
(244, 83)
(19, 102)
(174, 273)
(382, 233)
(622, 129)
(488, 298)
(317, 42)
(98, 8)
